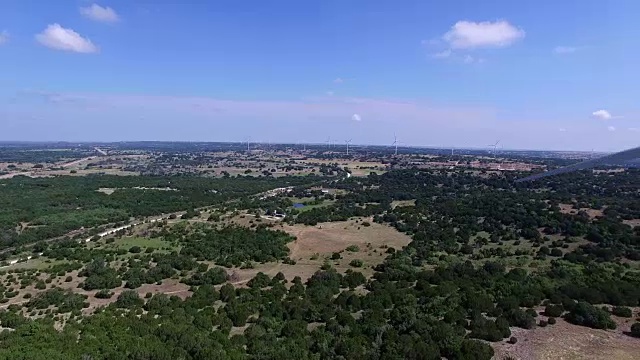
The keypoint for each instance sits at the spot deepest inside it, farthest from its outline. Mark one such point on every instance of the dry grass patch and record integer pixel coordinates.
(396, 203)
(569, 209)
(326, 238)
(567, 341)
(315, 244)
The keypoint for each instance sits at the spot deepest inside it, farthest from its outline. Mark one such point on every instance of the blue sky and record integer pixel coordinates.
(535, 74)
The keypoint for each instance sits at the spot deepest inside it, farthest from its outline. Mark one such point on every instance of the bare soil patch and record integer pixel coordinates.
(632, 222)
(568, 209)
(314, 246)
(396, 203)
(326, 238)
(567, 341)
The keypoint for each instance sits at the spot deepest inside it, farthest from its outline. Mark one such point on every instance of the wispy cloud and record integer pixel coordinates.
(338, 80)
(329, 108)
(101, 14)
(468, 59)
(466, 36)
(602, 114)
(562, 130)
(59, 38)
(565, 49)
(442, 54)
(4, 36)
(634, 129)
(611, 128)
(486, 34)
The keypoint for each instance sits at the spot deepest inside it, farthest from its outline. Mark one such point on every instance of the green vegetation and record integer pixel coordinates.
(353, 248)
(229, 246)
(621, 311)
(54, 206)
(356, 263)
(588, 315)
(485, 255)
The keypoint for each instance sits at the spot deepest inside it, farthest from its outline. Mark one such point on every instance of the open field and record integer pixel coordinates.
(571, 342)
(569, 209)
(127, 242)
(321, 241)
(397, 203)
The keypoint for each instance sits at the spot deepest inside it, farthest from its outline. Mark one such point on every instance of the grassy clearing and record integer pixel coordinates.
(567, 341)
(314, 245)
(39, 263)
(127, 242)
(307, 202)
(401, 203)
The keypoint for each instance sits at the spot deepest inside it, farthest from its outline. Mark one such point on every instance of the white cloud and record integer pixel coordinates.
(329, 93)
(562, 130)
(634, 129)
(98, 13)
(58, 38)
(469, 35)
(356, 117)
(338, 80)
(468, 59)
(611, 128)
(4, 36)
(602, 114)
(442, 54)
(565, 49)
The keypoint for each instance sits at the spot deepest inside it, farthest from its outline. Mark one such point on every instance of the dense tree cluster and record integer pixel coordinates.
(231, 245)
(54, 206)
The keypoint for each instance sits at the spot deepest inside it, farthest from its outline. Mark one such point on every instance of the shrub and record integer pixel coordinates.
(586, 314)
(519, 318)
(68, 279)
(356, 263)
(129, 299)
(531, 313)
(635, 330)
(622, 311)
(542, 323)
(553, 310)
(104, 294)
(353, 248)
(513, 340)
(336, 256)
(135, 249)
(556, 252)
(551, 321)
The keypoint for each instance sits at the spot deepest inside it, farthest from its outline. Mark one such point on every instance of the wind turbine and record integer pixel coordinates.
(395, 143)
(248, 143)
(328, 141)
(494, 146)
(348, 142)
